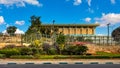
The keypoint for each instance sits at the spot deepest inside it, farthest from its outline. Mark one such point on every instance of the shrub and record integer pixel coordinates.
(46, 47)
(75, 50)
(22, 57)
(52, 51)
(9, 46)
(35, 51)
(10, 52)
(26, 51)
(36, 43)
(2, 56)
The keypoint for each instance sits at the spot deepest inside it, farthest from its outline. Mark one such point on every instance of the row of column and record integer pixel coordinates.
(78, 30)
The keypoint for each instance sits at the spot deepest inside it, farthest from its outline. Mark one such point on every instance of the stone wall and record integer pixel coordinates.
(110, 49)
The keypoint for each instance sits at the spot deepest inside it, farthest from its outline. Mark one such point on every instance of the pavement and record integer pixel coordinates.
(61, 66)
(59, 61)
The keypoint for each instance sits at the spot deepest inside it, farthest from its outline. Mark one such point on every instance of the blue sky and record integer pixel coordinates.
(17, 13)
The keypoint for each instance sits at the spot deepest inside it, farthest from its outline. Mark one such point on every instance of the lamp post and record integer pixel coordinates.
(108, 33)
(53, 31)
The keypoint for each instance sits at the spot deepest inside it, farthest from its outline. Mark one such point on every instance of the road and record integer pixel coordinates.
(60, 66)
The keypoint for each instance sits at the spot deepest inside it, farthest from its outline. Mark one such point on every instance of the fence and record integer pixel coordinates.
(20, 39)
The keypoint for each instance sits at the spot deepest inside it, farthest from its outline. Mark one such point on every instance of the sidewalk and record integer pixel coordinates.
(57, 61)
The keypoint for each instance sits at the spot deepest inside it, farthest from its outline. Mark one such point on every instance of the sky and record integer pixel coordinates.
(18, 12)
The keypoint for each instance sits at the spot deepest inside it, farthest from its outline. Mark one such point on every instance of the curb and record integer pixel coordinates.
(64, 63)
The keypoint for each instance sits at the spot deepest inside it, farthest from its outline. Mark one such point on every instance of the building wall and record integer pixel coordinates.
(77, 30)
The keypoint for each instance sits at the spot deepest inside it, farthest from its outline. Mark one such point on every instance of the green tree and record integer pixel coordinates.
(11, 30)
(35, 25)
(61, 41)
(116, 34)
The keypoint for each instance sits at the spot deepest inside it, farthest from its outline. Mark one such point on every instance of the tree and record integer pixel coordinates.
(116, 34)
(11, 30)
(34, 30)
(61, 41)
(35, 25)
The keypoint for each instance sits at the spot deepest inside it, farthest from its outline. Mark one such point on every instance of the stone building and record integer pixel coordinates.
(74, 29)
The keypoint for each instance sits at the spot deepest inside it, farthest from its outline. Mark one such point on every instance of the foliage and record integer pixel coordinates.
(56, 46)
(80, 38)
(36, 43)
(46, 47)
(22, 57)
(2, 56)
(10, 52)
(52, 51)
(11, 30)
(35, 24)
(35, 51)
(26, 51)
(75, 50)
(61, 39)
(88, 40)
(9, 46)
(116, 34)
(106, 54)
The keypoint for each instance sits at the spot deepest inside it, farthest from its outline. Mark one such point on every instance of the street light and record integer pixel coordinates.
(108, 33)
(53, 31)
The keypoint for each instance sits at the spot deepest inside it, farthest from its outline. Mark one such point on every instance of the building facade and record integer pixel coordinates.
(74, 29)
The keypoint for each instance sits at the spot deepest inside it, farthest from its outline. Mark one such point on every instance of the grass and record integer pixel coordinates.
(106, 54)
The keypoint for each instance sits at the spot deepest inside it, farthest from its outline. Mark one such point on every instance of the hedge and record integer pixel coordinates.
(22, 57)
(2, 56)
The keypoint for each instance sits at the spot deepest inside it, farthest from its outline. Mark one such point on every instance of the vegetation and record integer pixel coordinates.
(116, 34)
(11, 30)
(61, 41)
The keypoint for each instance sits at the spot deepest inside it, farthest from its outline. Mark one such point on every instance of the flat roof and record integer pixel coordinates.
(71, 25)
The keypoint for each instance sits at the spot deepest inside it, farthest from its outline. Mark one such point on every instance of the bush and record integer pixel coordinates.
(10, 52)
(22, 57)
(52, 51)
(9, 46)
(35, 51)
(2, 56)
(26, 51)
(46, 47)
(75, 50)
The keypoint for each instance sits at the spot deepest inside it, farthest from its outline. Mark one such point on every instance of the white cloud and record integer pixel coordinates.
(112, 1)
(20, 3)
(4, 32)
(2, 21)
(87, 19)
(18, 31)
(77, 2)
(20, 22)
(89, 2)
(111, 18)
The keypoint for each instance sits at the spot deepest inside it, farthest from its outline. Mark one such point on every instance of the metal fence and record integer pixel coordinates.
(20, 39)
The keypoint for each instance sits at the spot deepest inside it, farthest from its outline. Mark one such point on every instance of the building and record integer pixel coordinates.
(74, 29)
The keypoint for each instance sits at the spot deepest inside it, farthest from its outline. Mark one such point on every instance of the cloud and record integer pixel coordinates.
(2, 21)
(18, 31)
(111, 18)
(89, 2)
(112, 1)
(87, 19)
(20, 22)
(77, 2)
(20, 3)
(4, 32)
(90, 10)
